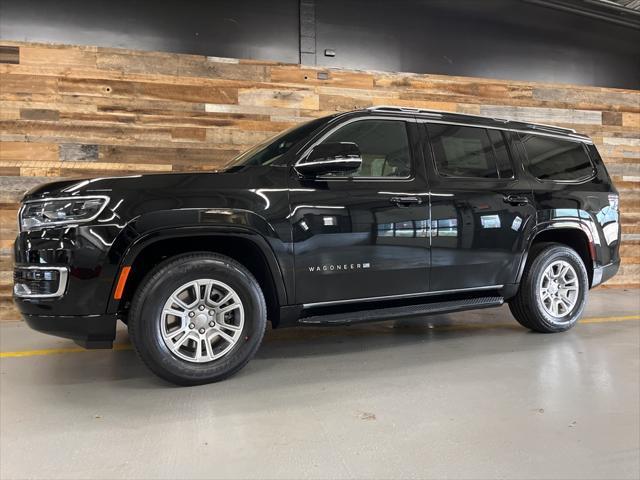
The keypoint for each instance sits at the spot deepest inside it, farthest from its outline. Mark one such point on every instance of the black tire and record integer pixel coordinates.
(527, 306)
(145, 317)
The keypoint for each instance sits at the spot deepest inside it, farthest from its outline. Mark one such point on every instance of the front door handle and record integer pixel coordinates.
(516, 199)
(406, 201)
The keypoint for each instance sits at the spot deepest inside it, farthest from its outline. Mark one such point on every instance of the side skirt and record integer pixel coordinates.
(379, 314)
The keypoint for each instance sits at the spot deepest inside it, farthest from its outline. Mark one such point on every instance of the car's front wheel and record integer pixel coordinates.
(553, 289)
(197, 318)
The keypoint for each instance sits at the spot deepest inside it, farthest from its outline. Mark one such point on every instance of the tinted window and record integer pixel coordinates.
(272, 150)
(555, 159)
(384, 146)
(469, 152)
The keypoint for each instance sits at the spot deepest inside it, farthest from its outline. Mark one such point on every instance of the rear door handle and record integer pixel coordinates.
(516, 199)
(405, 201)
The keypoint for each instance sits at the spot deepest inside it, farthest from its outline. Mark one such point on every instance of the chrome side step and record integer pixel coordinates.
(389, 313)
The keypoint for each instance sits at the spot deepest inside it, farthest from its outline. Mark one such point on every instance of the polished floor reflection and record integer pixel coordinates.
(468, 395)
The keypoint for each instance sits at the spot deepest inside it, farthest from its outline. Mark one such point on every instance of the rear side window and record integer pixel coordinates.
(469, 152)
(556, 159)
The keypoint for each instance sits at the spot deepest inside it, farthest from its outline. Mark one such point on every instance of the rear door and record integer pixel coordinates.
(365, 235)
(481, 206)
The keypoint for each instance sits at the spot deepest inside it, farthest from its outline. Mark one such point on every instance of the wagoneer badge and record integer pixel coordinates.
(339, 266)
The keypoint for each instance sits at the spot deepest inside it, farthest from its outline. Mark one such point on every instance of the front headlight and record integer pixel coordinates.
(38, 214)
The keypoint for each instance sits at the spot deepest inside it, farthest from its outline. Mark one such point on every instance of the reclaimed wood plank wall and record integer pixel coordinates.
(75, 111)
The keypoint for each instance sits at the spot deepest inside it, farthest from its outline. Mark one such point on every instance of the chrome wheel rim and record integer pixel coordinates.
(559, 289)
(202, 320)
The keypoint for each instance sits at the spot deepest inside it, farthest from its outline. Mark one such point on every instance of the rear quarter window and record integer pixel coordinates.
(556, 159)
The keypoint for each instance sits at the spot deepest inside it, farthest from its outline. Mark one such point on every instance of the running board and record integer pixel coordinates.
(362, 316)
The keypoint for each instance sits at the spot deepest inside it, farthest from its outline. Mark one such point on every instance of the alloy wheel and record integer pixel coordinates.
(559, 289)
(202, 320)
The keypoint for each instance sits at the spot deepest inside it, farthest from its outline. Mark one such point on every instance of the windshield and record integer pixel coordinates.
(272, 150)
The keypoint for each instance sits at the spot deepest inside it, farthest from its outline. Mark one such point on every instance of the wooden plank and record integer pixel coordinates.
(62, 133)
(259, 110)
(171, 156)
(9, 171)
(454, 86)
(58, 55)
(212, 67)
(8, 311)
(9, 54)
(618, 100)
(26, 85)
(126, 63)
(183, 133)
(161, 91)
(228, 136)
(78, 152)
(265, 97)
(543, 115)
(341, 103)
(631, 120)
(39, 114)
(295, 75)
(612, 118)
(28, 150)
(82, 165)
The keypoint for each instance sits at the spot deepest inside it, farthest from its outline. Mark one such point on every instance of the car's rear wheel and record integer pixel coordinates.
(197, 318)
(553, 289)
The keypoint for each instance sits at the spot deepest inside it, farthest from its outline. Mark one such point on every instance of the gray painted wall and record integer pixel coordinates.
(509, 39)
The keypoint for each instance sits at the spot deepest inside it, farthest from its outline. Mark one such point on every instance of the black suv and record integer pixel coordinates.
(367, 215)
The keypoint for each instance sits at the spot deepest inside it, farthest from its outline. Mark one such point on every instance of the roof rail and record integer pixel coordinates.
(394, 108)
(438, 113)
(551, 128)
(422, 111)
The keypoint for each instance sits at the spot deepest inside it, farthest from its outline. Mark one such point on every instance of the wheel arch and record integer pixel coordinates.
(572, 234)
(245, 246)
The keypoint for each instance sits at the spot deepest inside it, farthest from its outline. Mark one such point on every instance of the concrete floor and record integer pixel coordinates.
(469, 395)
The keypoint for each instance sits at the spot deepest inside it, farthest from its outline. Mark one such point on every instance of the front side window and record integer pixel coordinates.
(383, 144)
(556, 159)
(272, 151)
(469, 152)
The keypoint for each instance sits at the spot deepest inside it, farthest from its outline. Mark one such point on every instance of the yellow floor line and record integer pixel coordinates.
(127, 346)
(55, 351)
(610, 319)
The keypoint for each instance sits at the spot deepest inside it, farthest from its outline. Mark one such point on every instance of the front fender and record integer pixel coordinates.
(219, 222)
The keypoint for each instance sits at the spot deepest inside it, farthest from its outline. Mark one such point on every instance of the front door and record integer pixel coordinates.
(365, 235)
(481, 207)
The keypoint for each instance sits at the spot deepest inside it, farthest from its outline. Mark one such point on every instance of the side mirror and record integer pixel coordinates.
(339, 157)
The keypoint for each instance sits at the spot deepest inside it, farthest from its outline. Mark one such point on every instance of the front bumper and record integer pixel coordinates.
(63, 278)
(92, 331)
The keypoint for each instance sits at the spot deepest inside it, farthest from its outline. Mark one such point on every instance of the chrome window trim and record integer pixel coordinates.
(404, 295)
(434, 161)
(62, 282)
(307, 150)
(575, 181)
(570, 137)
(63, 222)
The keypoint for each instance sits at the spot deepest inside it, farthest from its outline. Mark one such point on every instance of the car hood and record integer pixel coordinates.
(169, 184)
(136, 196)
